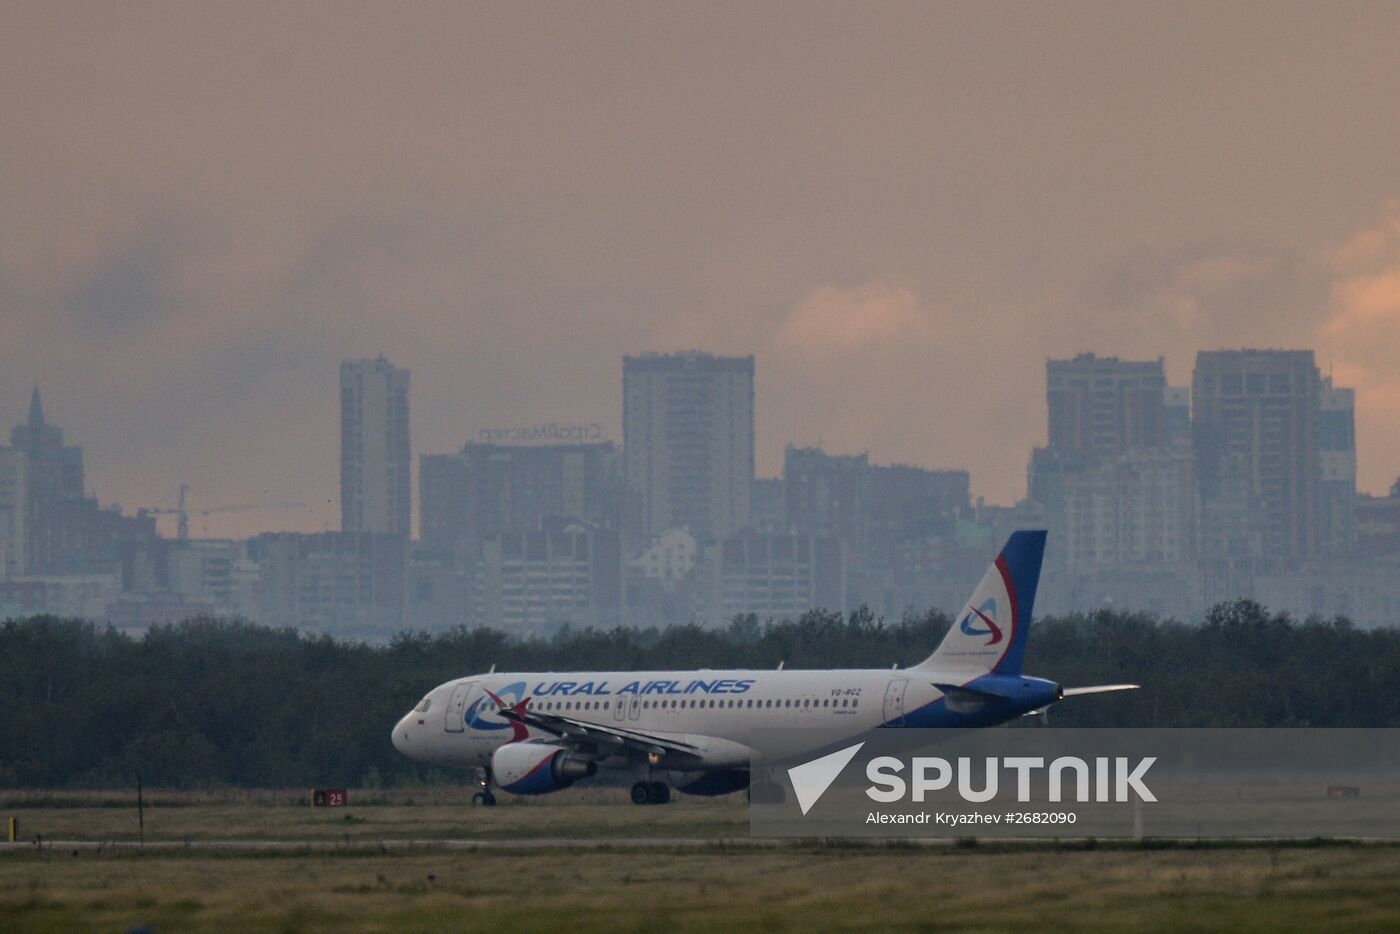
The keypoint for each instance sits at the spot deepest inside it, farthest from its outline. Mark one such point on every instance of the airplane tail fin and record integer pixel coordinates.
(989, 635)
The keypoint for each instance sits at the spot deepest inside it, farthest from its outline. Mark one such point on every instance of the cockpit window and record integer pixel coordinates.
(423, 705)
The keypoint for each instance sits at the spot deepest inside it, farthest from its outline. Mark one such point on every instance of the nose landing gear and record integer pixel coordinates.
(651, 793)
(484, 797)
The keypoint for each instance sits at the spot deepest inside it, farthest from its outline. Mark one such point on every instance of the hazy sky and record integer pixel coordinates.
(900, 209)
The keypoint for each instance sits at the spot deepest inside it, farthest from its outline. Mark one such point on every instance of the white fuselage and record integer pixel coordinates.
(715, 711)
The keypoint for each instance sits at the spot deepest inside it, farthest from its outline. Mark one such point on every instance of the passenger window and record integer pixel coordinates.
(855, 703)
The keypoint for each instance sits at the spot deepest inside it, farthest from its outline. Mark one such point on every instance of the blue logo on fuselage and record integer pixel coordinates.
(483, 705)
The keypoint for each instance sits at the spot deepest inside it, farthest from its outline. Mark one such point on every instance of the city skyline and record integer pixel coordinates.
(899, 210)
(506, 437)
(275, 512)
(1161, 498)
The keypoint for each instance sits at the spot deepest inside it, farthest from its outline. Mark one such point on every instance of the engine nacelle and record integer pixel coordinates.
(537, 768)
(712, 783)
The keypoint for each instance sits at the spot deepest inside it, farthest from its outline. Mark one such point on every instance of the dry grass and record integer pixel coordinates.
(1228, 889)
(809, 887)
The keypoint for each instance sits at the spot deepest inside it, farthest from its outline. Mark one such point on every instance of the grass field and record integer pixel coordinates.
(364, 887)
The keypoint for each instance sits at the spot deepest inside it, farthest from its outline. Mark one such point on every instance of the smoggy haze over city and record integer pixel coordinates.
(900, 210)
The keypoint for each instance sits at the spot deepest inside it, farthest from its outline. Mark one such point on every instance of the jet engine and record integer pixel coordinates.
(537, 768)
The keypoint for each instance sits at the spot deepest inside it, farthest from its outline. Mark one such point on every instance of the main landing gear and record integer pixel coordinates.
(651, 793)
(484, 798)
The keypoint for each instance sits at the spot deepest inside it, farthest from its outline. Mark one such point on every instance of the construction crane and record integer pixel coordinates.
(182, 514)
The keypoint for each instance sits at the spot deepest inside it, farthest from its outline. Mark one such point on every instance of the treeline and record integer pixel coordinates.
(226, 703)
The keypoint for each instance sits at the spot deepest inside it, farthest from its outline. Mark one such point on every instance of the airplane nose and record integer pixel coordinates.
(399, 736)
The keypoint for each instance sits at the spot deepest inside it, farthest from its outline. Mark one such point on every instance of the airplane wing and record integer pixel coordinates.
(608, 740)
(1100, 689)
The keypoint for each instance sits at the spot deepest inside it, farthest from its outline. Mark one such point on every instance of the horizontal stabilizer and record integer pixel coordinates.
(961, 699)
(1100, 689)
(968, 692)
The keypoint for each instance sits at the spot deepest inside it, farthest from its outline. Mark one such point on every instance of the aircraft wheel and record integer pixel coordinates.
(643, 793)
(483, 799)
(660, 793)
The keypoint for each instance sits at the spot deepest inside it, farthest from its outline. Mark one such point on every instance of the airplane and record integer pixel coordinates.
(534, 733)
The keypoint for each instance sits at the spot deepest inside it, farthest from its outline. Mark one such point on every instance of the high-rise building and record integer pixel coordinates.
(1138, 508)
(1101, 406)
(1117, 479)
(52, 475)
(778, 575)
(1336, 446)
(344, 583)
(1177, 424)
(828, 494)
(688, 441)
(13, 496)
(487, 489)
(768, 507)
(1378, 526)
(1254, 428)
(375, 459)
(567, 571)
(903, 498)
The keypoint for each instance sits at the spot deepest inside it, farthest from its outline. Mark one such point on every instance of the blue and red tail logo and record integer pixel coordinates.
(986, 613)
